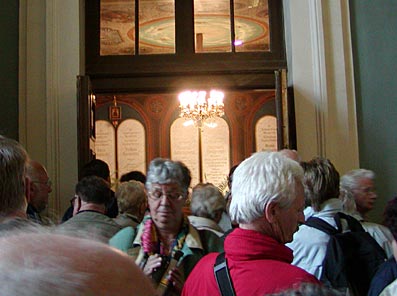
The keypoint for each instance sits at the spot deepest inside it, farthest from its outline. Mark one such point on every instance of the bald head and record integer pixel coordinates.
(40, 185)
(291, 153)
(53, 264)
(35, 169)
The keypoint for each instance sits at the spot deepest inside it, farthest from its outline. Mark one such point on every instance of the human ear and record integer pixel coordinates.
(271, 211)
(76, 205)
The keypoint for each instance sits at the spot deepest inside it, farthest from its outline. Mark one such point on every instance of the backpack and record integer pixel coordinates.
(352, 258)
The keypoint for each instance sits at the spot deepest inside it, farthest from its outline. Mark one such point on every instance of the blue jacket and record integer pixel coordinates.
(386, 274)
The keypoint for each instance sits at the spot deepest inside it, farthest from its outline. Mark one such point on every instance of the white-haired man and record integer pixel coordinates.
(40, 263)
(268, 204)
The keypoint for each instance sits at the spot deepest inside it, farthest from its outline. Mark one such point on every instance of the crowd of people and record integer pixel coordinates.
(141, 239)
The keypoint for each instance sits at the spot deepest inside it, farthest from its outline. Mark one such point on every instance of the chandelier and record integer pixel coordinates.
(196, 107)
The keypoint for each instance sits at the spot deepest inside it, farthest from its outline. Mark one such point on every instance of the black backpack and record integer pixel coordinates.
(352, 258)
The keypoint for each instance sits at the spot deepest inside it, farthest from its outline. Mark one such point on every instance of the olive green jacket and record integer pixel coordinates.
(197, 244)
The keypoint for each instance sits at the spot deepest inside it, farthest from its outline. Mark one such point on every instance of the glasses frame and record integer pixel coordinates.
(170, 196)
(48, 183)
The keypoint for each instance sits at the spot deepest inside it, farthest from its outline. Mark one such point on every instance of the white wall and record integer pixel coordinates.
(320, 59)
(50, 51)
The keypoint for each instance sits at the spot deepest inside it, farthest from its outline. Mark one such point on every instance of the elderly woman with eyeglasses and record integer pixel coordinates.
(166, 233)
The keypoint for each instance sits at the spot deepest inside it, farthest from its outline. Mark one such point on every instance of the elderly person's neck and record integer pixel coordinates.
(169, 232)
(262, 225)
(362, 211)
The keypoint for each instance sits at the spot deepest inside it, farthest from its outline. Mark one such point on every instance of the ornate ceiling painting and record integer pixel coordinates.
(157, 26)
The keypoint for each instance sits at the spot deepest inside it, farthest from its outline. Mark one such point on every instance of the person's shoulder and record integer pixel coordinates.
(201, 280)
(387, 269)
(292, 273)
(303, 275)
(210, 241)
(123, 239)
(307, 235)
(204, 266)
(207, 234)
(378, 229)
(125, 220)
(208, 259)
(92, 217)
(390, 290)
(17, 223)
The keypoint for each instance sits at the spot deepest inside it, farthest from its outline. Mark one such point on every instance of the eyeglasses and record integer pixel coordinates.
(48, 183)
(366, 190)
(158, 194)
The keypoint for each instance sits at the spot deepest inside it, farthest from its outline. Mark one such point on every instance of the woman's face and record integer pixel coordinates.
(365, 195)
(165, 203)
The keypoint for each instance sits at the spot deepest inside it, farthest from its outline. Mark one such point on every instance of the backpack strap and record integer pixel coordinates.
(320, 224)
(354, 224)
(222, 276)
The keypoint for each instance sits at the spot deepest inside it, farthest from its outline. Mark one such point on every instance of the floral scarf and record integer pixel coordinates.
(151, 243)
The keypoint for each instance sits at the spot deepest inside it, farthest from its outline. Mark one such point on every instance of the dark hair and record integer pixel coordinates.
(95, 167)
(390, 216)
(133, 175)
(93, 189)
(320, 181)
(230, 176)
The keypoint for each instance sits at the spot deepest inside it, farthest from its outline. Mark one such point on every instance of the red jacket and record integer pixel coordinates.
(258, 265)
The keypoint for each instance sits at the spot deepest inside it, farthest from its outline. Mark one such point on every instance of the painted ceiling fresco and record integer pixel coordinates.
(157, 26)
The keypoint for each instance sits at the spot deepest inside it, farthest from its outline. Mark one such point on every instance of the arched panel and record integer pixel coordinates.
(185, 146)
(131, 146)
(216, 152)
(266, 133)
(105, 145)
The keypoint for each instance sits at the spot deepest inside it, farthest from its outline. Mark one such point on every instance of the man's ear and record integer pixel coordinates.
(76, 205)
(271, 211)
